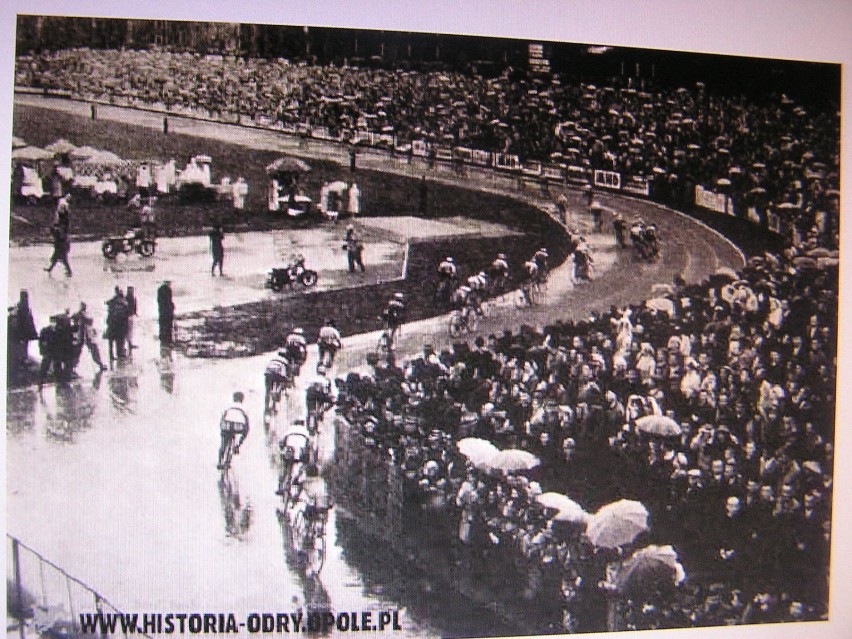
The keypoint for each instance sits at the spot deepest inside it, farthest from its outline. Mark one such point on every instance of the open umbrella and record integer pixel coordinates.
(617, 523)
(83, 152)
(478, 451)
(567, 509)
(17, 142)
(31, 153)
(819, 252)
(648, 570)
(513, 460)
(60, 147)
(337, 186)
(727, 272)
(662, 289)
(827, 262)
(288, 165)
(661, 304)
(804, 262)
(658, 425)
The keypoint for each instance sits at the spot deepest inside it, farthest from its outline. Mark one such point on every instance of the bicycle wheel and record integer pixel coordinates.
(315, 555)
(297, 531)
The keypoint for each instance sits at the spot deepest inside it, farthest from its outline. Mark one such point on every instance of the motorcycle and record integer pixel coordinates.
(133, 240)
(296, 272)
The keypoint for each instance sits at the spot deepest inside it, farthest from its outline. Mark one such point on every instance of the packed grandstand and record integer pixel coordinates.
(743, 365)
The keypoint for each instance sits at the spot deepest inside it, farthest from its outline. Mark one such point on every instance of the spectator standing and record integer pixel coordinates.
(130, 298)
(217, 249)
(61, 248)
(86, 334)
(25, 329)
(166, 309)
(116, 324)
(62, 215)
(354, 249)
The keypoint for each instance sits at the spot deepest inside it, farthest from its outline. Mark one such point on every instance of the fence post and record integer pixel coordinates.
(19, 593)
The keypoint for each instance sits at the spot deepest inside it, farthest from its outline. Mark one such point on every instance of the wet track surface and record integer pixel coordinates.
(114, 477)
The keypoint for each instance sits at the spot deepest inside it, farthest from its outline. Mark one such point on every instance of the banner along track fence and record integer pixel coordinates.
(42, 599)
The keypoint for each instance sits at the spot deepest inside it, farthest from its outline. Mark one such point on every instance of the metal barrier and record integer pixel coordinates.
(43, 599)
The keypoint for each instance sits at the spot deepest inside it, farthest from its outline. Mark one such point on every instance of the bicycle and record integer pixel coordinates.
(527, 295)
(463, 321)
(308, 531)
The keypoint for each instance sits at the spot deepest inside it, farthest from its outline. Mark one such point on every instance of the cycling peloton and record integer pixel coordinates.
(328, 342)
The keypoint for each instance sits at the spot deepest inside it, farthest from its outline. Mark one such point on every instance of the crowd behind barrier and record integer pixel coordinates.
(772, 160)
(742, 488)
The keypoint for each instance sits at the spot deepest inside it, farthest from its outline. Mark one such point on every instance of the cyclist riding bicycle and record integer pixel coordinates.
(499, 273)
(319, 397)
(394, 313)
(234, 422)
(329, 343)
(540, 258)
(275, 376)
(531, 278)
(296, 347)
(447, 269)
(295, 449)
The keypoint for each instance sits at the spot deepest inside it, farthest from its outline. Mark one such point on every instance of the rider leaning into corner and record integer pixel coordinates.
(328, 342)
(296, 347)
(319, 394)
(295, 447)
(394, 313)
(234, 422)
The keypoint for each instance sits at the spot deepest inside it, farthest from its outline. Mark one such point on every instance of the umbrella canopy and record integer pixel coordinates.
(726, 271)
(617, 523)
(17, 142)
(31, 153)
(567, 509)
(60, 147)
(513, 460)
(337, 186)
(658, 425)
(662, 304)
(804, 262)
(478, 451)
(104, 158)
(83, 152)
(648, 570)
(288, 165)
(819, 252)
(662, 289)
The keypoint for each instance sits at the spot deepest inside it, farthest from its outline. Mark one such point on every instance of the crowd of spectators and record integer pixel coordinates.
(771, 155)
(745, 369)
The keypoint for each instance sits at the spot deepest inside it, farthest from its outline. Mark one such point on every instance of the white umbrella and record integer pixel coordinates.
(513, 460)
(31, 153)
(478, 451)
(567, 509)
(648, 569)
(617, 524)
(658, 425)
(661, 304)
(662, 289)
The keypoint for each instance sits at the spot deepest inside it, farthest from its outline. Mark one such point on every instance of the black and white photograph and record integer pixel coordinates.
(423, 324)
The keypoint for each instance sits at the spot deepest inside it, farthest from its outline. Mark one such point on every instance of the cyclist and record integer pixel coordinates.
(234, 422)
(295, 449)
(296, 347)
(319, 397)
(329, 343)
(393, 314)
(541, 258)
(447, 270)
(275, 377)
(499, 273)
(531, 275)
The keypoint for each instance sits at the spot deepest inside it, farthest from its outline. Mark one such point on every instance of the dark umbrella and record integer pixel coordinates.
(648, 570)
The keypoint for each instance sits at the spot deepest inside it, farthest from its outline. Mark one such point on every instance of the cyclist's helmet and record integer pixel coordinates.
(299, 330)
(239, 397)
(501, 256)
(399, 296)
(321, 370)
(298, 422)
(450, 259)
